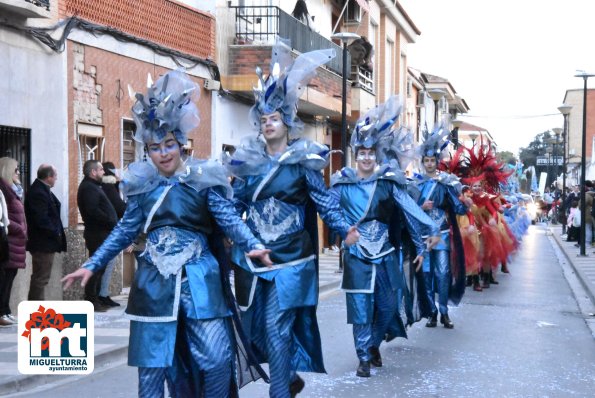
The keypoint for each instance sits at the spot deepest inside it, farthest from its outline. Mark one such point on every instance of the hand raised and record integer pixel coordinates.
(82, 273)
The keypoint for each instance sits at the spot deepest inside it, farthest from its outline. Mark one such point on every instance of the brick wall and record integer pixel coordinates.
(165, 22)
(243, 60)
(110, 103)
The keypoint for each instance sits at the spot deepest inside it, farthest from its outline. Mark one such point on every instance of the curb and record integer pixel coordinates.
(28, 383)
(580, 274)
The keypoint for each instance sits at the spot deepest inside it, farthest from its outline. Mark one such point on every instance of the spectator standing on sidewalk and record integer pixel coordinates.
(110, 185)
(10, 185)
(46, 233)
(99, 217)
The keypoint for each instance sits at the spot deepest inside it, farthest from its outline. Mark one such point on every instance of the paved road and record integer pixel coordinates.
(527, 337)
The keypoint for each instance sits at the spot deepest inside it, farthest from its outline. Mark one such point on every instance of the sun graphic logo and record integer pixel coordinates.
(56, 337)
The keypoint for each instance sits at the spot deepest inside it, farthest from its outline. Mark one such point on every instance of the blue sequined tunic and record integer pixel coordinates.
(370, 204)
(274, 192)
(444, 192)
(176, 213)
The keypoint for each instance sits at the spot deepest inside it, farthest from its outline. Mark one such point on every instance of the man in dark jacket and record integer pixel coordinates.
(46, 233)
(99, 217)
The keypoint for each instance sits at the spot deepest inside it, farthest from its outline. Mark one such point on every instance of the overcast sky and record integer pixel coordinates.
(511, 60)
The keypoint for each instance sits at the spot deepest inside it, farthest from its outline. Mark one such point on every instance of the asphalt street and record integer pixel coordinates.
(526, 337)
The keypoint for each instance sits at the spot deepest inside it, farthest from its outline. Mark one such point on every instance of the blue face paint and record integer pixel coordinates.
(164, 147)
(366, 156)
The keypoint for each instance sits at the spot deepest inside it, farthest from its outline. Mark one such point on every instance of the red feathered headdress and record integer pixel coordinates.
(484, 166)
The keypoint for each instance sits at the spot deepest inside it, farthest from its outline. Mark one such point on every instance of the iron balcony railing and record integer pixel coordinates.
(261, 25)
(362, 78)
(40, 3)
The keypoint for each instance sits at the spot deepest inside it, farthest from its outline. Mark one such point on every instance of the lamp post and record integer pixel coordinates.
(473, 137)
(565, 111)
(344, 37)
(456, 124)
(548, 150)
(556, 141)
(585, 76)
(436, 95)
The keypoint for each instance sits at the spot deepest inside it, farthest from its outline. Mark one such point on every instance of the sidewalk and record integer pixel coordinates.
(111, 338)
(583, 266)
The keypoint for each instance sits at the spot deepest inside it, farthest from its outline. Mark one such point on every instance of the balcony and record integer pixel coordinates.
(261, 25)
(362, 78)
(27, 8)
(363, 97)
(256, 29)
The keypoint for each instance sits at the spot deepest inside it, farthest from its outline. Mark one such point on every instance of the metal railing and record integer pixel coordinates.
(362, 78)
(40, 3)
(261, 25)
(15, 142)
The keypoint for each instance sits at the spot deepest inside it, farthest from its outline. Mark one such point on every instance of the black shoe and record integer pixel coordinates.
(363, 370)
(445, 320)
(492, 280)
(432, 321)
(485, 278)
(376, 359)
(98, 306)
(107, 301)
(469, 281)
(504, 268)
(476, 285)
(296, 386)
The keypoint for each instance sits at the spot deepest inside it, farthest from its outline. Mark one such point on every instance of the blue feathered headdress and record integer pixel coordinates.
(284, 85)
(375, 124)
(168, 106)
(373, 130)
(435, 143)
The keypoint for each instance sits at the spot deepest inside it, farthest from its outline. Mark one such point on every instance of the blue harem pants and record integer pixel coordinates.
(210, 352)
(437, 280)
(385, 306)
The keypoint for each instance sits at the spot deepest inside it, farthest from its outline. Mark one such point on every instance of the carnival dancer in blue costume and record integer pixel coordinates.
(277, 179)
(177, 297)
(370, 196)
(439, 198)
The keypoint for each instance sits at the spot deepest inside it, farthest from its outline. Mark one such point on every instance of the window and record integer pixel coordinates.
(228, 148)
(353, 12)
(128, 144)
(91, 141)
(188, 149)
(15, 142)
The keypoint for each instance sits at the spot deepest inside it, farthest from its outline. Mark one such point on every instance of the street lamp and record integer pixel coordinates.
(345, 37)
(549, 151)
(556, 141)
(585, 76)
(456, 124)
(565, 111)
(473, 137)
(436, 95)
